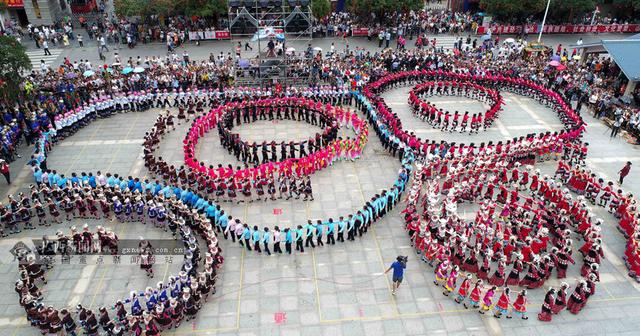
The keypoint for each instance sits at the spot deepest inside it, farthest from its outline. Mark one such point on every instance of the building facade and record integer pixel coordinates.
(35, 12)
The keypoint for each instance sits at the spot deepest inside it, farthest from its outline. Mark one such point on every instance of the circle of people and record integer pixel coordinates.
(439, 118)
(314, 232)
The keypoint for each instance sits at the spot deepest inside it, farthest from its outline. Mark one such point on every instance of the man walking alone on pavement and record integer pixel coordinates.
(45, 45)
(398, 267)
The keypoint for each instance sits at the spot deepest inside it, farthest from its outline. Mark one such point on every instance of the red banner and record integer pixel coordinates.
(360, 32)
(223, 35)
(14, 3)
(209, 35)
(562, 29)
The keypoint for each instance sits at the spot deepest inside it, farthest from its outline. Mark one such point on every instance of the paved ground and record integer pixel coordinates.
(327, 291)
(330, 291)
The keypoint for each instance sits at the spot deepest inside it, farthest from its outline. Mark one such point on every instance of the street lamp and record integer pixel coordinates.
(544, 19)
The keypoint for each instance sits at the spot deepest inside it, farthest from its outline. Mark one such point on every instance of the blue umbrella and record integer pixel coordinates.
(88, 73)
(127, 70)
(555, 58)
(243, 63)
(138, 70)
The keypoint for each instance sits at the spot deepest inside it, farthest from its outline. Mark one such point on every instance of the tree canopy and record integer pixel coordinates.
(624, 8)
(383, 7)
(320, 8)
(513, 9)
(13, 62)
(201, 8)
(519, 10)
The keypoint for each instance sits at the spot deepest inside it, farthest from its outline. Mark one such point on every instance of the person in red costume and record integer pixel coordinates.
(547, 306)
(624, 172)
(520, 306)
(502, 307)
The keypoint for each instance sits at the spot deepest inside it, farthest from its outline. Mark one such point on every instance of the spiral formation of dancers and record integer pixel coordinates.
(444, 120)
(286, 178)
(119, 201)
(510, 229)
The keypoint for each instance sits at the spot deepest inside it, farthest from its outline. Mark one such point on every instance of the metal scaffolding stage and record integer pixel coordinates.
(271, 24)
(291, 17)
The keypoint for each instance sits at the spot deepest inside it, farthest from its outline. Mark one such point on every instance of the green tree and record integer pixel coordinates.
(162, 7)
(203, 8)
(13, 62)
(130, 7)
(383, 7)
(625, 5)
(512, 10)
(566, 10)
(320, 8)
(144, 7)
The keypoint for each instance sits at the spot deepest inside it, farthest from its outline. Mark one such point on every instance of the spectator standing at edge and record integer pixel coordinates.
(398, 267)
(624, 171)
(4, 169)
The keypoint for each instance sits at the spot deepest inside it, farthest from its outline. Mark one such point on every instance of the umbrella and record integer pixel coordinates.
(243, 63)
(88, 73)
(555, 58)
(127, 70)
(138, 70)
(485, 37)
(576, 57)
(509, 40)
(109, 70)
(71, 75)
(554, 63)
(291, 49)
(561, 67)
(317, 49)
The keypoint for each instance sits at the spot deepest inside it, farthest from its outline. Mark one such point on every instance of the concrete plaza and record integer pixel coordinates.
(337, 290)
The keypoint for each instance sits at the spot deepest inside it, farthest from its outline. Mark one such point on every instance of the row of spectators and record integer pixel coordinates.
(174, 30)
(54, 91)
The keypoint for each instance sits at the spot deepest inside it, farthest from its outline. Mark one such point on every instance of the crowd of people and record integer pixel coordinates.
(244, 185)
(533, 234)
(596, 84)
(57, 91)
(528, 222)
(257, 239)
(275, 110)
(574, 126)
(596, 190)
(310, 157)
(116, 199)
(398, 24)
(439, 118)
